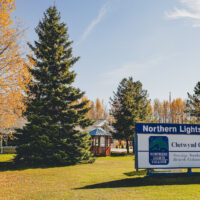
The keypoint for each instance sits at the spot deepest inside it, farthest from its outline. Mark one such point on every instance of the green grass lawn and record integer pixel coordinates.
(6, 157)
(109, 178)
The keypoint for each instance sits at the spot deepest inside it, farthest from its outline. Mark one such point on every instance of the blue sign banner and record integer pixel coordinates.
(167, 128)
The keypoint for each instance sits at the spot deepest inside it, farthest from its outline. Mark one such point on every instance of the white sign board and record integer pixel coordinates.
(182, 151)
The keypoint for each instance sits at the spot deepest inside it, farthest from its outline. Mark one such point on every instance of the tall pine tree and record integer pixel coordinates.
(193, 104)
(129, 105)
(50, 137)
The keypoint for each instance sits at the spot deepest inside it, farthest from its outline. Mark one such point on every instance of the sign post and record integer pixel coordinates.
(167, 146)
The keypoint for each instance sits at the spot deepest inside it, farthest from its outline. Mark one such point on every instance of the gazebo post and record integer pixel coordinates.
(105, 144)
(95, 145)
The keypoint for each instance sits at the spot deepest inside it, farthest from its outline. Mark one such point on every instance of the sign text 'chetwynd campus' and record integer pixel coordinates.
(167, 146)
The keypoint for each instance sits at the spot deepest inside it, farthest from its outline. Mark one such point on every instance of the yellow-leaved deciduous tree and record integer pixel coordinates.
(157, 110)
(14, 73)
(91, 113)
(178, 107)
(161, 111)
(97, 109)
(7, 6)
(100, 110)
(164, 112)
(83, 99)
(150, 117)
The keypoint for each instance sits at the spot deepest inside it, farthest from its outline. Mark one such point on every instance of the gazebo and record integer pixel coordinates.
(101, 142)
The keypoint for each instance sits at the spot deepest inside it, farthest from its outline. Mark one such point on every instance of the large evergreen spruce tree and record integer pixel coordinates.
(53, 110)
(129, 105)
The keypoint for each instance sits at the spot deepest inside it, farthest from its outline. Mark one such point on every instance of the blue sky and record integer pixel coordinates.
(154, 41)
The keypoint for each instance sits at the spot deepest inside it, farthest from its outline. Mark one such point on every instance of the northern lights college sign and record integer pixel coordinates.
(167, 146)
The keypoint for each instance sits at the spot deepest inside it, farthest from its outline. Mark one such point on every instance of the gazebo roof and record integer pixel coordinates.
(100, 132)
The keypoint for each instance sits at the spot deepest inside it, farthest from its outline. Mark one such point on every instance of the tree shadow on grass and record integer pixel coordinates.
(180, 179)
(136, 173)
(11, 166)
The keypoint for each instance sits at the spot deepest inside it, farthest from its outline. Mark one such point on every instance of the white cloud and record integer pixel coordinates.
(130, 69)
(102, 12)
(190, 10)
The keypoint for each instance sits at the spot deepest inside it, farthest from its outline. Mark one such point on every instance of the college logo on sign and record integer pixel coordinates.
(158, 150)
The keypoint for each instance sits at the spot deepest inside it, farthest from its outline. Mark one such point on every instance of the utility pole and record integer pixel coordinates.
(170, 107)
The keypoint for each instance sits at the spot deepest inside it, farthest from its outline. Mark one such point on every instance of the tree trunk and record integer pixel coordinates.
(127, 146)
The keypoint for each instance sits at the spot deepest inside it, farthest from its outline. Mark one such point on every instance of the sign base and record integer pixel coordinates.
(151, 173)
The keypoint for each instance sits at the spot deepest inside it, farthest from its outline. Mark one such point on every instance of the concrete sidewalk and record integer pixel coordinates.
(120, 150)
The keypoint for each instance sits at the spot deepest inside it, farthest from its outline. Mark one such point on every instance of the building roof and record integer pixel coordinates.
(101, 123)
(100, 132)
